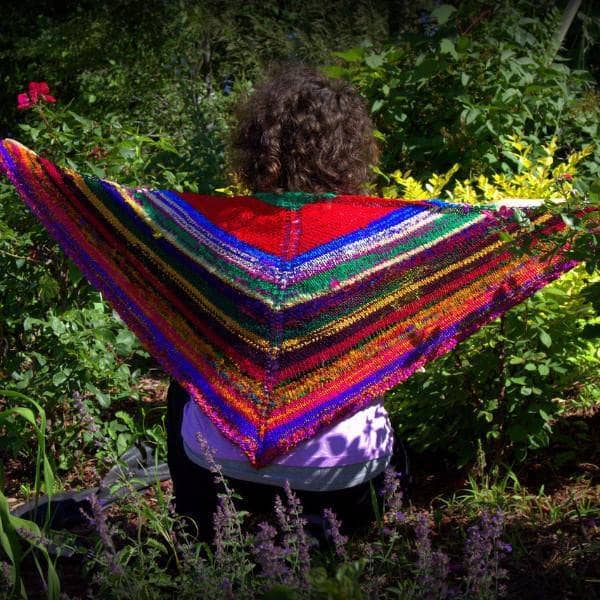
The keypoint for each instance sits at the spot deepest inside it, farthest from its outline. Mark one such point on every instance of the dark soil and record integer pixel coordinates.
(555, 534)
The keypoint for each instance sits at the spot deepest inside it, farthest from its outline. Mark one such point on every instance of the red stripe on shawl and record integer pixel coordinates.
(265, 226)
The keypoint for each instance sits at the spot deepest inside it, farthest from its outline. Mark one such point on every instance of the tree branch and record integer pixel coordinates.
(567, 20)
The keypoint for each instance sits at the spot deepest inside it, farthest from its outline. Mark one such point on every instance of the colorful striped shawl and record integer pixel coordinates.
(282, 314)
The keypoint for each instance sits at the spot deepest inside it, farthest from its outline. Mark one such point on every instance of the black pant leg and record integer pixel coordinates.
(194, 488)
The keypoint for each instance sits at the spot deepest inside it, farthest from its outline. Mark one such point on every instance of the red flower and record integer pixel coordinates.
(37, 90)
(23, 101)
(568, 177)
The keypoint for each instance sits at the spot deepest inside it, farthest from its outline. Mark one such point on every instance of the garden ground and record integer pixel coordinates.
(551, 505)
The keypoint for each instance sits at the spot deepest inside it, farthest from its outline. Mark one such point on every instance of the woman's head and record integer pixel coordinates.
(302, 131)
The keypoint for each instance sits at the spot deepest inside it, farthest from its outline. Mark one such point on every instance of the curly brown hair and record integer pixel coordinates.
(302, 131)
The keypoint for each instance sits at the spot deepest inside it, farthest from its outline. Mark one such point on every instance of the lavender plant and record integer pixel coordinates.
(98, 520)
(269, 556)
(432, 566)
(232, 544)
(484, 550)
(279, 562)
(6, 576)
(295, 541)
(88, 423)
(392, 498)
(334, 533)
(88, 430)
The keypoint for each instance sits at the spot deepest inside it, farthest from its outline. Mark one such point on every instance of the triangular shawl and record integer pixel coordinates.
(283, 314)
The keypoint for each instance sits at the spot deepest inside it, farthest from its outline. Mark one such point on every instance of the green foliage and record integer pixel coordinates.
(58, 334)
(20, 537)
(540, 176)
(479, 74)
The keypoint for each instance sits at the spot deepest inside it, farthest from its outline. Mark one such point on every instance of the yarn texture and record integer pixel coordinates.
(281, 314)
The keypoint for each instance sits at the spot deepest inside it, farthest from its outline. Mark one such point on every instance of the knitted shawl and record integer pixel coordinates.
(282, 314)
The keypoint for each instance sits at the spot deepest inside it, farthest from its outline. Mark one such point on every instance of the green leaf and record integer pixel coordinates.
(442, 13)
(26, 413)
(509, 93)
(471, 115)
(127, 419)
(488, 416)
(103, 399)
(42, 360)
(351, 55)
(543, 370)
(48, 477)
(447, 47)
(59, 378)
(376, 106)
(123, 441)
(334, 71)
(545, 339)
(374, 60)
(75, 275)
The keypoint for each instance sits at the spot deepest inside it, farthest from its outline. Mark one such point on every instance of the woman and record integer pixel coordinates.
(298, 132)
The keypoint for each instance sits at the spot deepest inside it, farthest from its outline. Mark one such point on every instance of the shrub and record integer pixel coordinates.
(453, 92)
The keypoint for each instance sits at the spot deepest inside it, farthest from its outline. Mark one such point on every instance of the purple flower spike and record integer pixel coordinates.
(269, 556)
(432, 567)
(333, 531)
(98, 520)
(295, 541)
(393, 498)
(483, 552)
